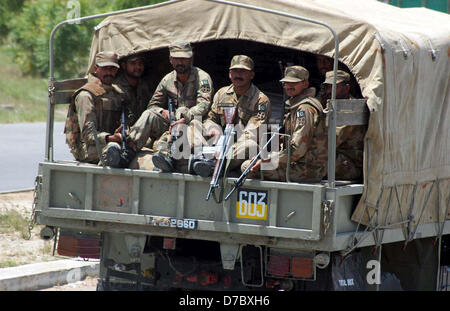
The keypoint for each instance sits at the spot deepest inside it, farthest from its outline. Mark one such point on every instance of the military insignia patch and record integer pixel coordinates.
(301, 117)
(300, 114)
(261, 115)
(205, 86)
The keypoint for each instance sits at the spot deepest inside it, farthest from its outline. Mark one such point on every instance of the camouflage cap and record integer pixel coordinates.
(106, 58)
(181, 49)
(133, 57)
(341, 76)
(242, 61)
(295, 74)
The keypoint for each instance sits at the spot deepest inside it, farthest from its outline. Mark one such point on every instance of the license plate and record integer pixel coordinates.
(251, 204)
(173, 222)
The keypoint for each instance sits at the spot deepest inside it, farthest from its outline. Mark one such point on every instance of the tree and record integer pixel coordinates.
(29, 33)
(8, 8)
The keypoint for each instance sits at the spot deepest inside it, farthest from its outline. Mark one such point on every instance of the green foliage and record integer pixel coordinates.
(8, 8)
(29, 33)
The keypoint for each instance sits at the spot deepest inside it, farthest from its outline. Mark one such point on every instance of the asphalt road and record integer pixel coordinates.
(23, 148)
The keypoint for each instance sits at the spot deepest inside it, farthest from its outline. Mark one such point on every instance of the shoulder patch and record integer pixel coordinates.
(301, 117)
(204, 86)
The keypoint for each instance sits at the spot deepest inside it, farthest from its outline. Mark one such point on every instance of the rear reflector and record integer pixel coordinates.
(302, 267)
(290, 267)
(278, 266)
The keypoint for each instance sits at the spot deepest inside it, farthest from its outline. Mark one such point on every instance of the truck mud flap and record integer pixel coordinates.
(78, 244)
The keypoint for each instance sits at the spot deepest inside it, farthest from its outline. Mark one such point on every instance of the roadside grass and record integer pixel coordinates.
(13, 221)
(23, 98)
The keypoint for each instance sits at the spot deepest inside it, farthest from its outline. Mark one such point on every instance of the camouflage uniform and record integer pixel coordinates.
(138, 97)
(95, 108)
(349, 141)
(189, 100)
(253, 110)
(305, 122)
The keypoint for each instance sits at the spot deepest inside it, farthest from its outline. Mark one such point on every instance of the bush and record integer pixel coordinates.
(30, 31)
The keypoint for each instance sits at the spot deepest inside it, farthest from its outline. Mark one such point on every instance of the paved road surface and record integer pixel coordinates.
(23, 147)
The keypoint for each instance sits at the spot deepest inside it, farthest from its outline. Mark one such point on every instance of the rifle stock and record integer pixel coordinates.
(228, 139)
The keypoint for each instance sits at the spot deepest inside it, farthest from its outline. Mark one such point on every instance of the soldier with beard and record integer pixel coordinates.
(131, 82)
(190, 89)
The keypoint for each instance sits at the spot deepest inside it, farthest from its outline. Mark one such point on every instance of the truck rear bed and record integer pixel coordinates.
(286, 215)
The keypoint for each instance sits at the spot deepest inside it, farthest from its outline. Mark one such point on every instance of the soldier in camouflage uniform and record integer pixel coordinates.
(93, 120)
(191, 90)
(305, 122)
(349, 138)
(131, 82)
(253, 110)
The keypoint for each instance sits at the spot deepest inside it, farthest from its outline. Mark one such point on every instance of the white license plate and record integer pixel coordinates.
(173, 222)
(251, 204)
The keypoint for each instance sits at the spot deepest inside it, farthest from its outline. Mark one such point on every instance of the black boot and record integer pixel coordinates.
(204, 168)
(126, 157)
(163, 162)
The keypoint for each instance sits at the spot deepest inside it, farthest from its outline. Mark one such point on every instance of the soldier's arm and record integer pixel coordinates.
(302, 135)
(215, 115)
(87, 117)
(158, 102)
(203, 101)
(261, 117)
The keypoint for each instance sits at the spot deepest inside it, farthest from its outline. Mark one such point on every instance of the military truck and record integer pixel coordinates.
(156, 231)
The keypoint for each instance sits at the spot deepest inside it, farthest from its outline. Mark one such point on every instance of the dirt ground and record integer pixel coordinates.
(14, 248)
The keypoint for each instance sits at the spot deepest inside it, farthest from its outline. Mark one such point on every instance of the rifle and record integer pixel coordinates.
(123, 122)
(280, 65)
(230, 113)
(171, 118)
(240, 181)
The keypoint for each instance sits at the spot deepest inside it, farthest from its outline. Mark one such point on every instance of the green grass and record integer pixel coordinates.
(13, 221)
(9, 263)
(22, 98)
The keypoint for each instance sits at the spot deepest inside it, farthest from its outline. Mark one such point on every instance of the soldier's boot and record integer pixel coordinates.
(204, 168)
(112, 155)
(126, 157)
(163, 162)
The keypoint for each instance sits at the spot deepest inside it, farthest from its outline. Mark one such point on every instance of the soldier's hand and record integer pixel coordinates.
(255, 168)
(216, 133)
(166, 114)
(119, 129)
(116, 138)
(173, 126)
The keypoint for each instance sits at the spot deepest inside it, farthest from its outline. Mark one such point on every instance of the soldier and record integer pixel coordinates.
(191, 90)
(253, 110)
(349, 138)
(93, 119)
(323, 64)
(305, 122)
(131, 82)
